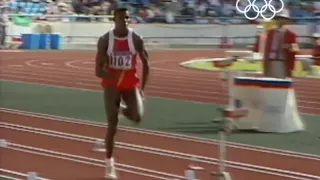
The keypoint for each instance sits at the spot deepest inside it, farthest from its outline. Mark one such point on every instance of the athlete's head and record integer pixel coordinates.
(121, 17)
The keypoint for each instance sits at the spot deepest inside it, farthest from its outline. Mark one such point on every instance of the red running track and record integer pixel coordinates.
(138, 148)
(75, 69)
(168, 79)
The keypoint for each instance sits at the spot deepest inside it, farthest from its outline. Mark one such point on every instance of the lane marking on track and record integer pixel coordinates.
(30, 63)
(208, 86)
(69, 64)
(89, 70)
(9, 177)
(92, 161)
(304, 102)
(18, 174)
(83, 75)
(15, 65)
(164, 134)
(95, 82)
(169, 98)
(88, 62)
(46, 64)
(162, 152)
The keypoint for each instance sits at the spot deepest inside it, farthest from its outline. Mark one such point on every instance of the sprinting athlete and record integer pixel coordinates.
(116, 66)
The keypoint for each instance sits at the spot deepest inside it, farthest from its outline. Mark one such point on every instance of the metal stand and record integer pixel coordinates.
(3, 143)
(191, 172)
(226, 124)
(225, 128)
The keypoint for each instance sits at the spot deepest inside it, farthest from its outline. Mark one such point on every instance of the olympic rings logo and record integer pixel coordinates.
(261, 11)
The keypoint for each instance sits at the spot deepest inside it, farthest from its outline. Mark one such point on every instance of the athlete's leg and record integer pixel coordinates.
(134, 105)
(112, 101)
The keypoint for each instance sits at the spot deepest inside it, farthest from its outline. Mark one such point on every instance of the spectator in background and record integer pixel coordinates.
(147, 14)
(188, 8)
(65, 9)
(170, 17)
(158, 12)
(167, 11)
(300, 11)
(96, 7)
(201, 9)
(170, 9)
(316, 6)
(52, 9)
(227, 9)
(3, 26)
(213, 8)
(80, 6)
(214, 3)
(91, 7)
(106, 7)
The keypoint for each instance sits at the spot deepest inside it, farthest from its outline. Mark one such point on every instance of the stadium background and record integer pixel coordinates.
(61, 83)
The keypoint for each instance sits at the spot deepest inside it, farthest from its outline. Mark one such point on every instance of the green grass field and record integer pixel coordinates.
(249, 67)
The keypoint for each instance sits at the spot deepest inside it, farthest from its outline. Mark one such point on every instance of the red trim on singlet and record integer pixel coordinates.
(130, 78)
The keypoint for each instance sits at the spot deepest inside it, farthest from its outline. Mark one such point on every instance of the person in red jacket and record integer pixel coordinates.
(280, 49)
(259, 46)
(316, 49)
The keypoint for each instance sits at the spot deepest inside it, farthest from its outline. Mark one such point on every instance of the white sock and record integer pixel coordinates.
(110, 160)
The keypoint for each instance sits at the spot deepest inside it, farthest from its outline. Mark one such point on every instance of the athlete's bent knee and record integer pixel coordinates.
(132, 114)
(137, 117)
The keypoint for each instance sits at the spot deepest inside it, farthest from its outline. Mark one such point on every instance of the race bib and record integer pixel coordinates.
(122, 60)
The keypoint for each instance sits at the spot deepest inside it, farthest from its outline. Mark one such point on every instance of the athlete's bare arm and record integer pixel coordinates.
(102, 59)
(139, 44)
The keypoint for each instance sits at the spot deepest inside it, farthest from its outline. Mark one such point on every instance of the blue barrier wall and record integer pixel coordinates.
(56, 41)
(30, 41)
(42, 41)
